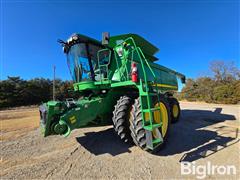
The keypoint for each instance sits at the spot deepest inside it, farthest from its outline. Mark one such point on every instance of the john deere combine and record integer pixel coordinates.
(117, 80)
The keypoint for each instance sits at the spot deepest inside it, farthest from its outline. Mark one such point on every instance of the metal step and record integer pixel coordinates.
(148, 94)
(151, 127)
(152, 143)
(156, 141)
(151, 110)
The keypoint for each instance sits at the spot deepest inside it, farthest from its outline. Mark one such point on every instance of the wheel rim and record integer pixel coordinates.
(175, 111)
(158, 116)
(162, 115)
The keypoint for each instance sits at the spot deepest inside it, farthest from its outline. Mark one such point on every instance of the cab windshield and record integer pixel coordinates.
(82, 61)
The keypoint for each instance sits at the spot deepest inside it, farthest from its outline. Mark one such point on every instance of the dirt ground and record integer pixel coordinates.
(206, 133)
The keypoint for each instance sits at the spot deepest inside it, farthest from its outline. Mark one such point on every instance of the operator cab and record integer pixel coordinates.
(87, 59)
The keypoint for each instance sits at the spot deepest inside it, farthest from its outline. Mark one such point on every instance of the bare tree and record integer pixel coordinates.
(224, 71)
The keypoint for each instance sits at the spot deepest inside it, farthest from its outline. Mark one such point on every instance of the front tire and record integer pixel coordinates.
(121, 116)
(138, 133)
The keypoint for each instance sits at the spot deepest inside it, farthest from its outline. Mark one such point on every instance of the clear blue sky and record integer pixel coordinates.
(189, 34)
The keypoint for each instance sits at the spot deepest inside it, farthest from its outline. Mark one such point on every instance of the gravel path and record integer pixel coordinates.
(205, 133)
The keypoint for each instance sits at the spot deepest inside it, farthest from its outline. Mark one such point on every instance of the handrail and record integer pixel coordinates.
(146, 62)
(134, 49)
(121, 73)
(139, 54)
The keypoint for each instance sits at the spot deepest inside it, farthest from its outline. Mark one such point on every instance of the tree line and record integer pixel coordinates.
(15, 91)
(222, 86)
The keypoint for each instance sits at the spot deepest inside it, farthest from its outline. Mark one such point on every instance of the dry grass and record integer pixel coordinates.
(15, 123)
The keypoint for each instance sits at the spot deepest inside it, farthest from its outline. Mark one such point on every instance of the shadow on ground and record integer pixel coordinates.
(102, 142)
(188, 135)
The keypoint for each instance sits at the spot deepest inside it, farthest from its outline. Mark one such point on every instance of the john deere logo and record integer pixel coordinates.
(72, 119)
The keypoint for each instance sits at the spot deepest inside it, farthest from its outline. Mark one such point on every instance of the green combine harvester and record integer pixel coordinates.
(117, 80)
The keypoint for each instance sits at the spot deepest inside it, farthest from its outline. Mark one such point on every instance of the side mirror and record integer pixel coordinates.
(183, 80)
(105, 38)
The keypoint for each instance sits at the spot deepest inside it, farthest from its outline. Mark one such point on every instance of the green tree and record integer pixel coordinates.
(17, 92)
(223, 87)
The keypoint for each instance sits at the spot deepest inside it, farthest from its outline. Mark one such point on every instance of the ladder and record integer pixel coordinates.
(146, 99)
(148, 109)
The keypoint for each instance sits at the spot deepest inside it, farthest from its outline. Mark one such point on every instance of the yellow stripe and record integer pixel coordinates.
(167, 86)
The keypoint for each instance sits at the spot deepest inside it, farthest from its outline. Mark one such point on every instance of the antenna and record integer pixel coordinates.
(54, 72)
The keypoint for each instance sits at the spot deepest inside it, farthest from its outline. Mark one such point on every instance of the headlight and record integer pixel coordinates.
(75, 37)
(70, 39)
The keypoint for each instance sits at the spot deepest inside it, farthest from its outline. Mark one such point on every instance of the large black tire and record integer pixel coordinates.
(175, 109)
(121, 116)
(138, 133)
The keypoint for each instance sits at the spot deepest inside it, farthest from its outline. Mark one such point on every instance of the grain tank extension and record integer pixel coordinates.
(118, 82)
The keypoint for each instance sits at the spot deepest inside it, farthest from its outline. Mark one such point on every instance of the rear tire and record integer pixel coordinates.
(121, 116)
(138, 133)
(175, 109)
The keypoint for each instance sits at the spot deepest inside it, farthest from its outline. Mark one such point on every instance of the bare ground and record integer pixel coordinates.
(205, 133)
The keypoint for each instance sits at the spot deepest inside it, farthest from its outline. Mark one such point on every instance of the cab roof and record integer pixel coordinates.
(148, 49)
